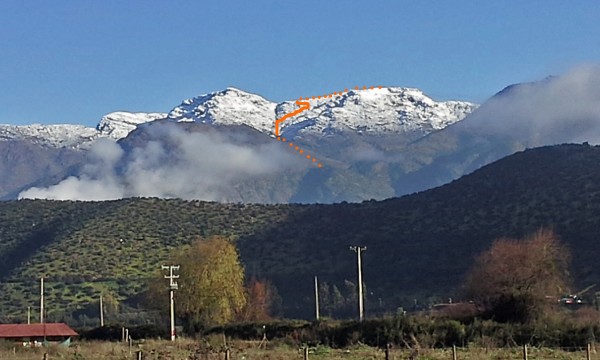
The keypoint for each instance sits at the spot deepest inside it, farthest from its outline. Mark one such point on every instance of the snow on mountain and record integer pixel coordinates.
(228, 107)
(54, 135)
(116, 125)
(385, 110)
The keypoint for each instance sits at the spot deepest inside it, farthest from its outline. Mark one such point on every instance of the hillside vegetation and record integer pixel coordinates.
(418, 246)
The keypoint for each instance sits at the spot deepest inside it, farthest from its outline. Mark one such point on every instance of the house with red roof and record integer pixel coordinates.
(37, 334)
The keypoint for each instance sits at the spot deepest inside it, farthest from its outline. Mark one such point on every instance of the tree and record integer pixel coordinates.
(262, 298)
(211, 283)
(520, 280)
(338, 303)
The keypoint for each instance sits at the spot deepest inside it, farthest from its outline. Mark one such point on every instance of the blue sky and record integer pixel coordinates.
(74, 61)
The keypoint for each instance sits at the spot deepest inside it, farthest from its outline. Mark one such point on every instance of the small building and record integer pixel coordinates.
(37, 334)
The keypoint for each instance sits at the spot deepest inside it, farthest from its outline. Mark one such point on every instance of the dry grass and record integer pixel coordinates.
(203, 350)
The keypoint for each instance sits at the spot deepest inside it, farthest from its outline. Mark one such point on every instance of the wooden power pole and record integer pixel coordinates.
(101, 312)
(42, 300)
(172, 288)
(316, 298)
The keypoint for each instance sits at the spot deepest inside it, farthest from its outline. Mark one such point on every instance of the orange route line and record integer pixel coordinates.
(305, 105)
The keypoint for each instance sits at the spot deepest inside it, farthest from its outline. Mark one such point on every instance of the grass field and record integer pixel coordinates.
(202, 350)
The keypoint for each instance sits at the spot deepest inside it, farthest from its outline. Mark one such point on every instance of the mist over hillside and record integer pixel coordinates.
(419, 246)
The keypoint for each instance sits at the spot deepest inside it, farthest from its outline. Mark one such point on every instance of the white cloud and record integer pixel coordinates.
(556, 110)
(173, 163)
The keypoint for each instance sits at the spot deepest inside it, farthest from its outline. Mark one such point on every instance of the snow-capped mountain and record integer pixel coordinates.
(357, 135)
(377, 111)
(228, 107)
(116, 125)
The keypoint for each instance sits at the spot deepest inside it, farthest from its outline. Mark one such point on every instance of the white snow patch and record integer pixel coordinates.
(116, 125)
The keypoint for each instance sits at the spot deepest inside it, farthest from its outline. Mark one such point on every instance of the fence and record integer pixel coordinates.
(170, 351)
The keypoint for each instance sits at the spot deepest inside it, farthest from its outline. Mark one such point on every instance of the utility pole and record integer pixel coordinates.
(29, 315)
(317, 298)
(42, 300)
(358, 250)
(101, 312)
(172, 288)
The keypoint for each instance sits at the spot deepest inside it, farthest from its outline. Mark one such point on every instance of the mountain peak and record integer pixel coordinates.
(119, 124)
(379, 110)
(231, 106)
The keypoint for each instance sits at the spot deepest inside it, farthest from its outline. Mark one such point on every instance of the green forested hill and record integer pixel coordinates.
(419, 246)
(85, 248)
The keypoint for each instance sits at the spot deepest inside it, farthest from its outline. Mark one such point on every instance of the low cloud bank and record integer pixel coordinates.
(555, 110)
(172, 164)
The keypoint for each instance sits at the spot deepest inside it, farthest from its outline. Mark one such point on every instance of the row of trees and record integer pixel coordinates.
(516, 280)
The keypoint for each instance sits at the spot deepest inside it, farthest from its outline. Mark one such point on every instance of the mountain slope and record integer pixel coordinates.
(24, 164)
(419, 246)
(552, 111)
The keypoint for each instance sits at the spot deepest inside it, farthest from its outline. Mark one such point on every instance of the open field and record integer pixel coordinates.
(246, 350)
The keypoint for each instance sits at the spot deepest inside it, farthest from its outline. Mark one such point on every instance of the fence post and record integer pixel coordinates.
(525, 352)
(589, 352)
(138, 355)
(306, 353)
(227, 354)
(453, 352)
(387, 351)
(45, 356)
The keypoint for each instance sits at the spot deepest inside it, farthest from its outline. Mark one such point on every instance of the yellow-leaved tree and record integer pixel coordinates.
(211, 283)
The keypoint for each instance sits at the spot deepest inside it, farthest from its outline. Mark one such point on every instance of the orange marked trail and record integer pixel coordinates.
(304, 105)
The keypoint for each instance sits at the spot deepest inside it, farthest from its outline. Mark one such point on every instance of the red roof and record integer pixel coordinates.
(35, 330)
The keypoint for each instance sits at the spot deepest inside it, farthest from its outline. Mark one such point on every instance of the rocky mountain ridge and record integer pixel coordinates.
(115, 125)
(378, 111)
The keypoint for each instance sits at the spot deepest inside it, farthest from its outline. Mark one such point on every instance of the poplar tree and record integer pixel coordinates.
(211, 283)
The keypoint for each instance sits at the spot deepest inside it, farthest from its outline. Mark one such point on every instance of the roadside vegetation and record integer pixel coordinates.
(209, 349)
